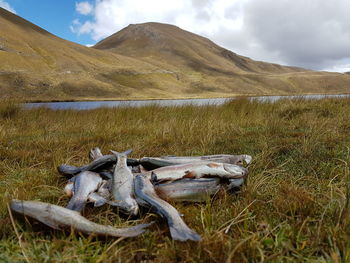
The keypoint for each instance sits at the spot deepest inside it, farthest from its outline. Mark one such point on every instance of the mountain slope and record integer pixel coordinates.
(173, 46)
(149, 60)
(39, 65)
(207, 67)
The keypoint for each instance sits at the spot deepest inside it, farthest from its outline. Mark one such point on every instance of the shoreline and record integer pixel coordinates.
(184, 98)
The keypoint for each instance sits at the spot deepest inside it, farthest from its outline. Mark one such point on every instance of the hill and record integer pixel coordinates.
(37, 65)
(150, 60)
(205, 67)
(168, 45)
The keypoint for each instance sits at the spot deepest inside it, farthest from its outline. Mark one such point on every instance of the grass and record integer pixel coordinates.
(9, 108)
(294, 208)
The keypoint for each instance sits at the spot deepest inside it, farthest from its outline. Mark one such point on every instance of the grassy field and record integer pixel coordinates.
(294, 208)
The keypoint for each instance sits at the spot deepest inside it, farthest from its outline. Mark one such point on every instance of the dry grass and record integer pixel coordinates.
(294, 208)
(9, 109)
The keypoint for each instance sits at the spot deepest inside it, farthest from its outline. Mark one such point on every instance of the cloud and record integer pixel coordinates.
(343, 66)
(84, 8)
(312, 33)
(200, 16)
(6, 6)
(307, 33)
(75, 26)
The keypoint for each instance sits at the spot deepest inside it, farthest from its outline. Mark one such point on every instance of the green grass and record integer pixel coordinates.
(294, 208)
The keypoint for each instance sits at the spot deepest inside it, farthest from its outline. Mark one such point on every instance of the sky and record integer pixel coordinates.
(313, 34)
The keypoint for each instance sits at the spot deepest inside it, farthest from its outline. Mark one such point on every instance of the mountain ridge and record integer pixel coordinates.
(161, 61)
(150, 37)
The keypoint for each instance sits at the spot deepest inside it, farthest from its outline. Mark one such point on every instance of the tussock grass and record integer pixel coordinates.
(294, 207)
(9, 108)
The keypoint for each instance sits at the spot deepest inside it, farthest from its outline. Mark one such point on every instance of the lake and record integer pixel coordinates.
(88, 105)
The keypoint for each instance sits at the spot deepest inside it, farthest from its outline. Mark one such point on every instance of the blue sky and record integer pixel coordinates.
(55, 16)
(313, 34)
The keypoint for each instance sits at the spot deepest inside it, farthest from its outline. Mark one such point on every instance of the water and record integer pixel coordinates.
(88, 105)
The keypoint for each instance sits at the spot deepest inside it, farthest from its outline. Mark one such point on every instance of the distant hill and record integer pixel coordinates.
(37, 65)
(150, 60)
(207, 67)
(169, 45)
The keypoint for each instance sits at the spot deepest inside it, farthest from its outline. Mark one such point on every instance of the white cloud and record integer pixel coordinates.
(84, 8)
(307, 33)
(311, 33)
(341, 67)
(76, 22)
(204, 16)
(75, 26)
(7, 6)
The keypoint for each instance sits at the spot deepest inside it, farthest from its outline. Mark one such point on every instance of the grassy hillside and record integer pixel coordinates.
(141, 61)
(170, 46)
(294, 208)
(206, 68)
(38, 65)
